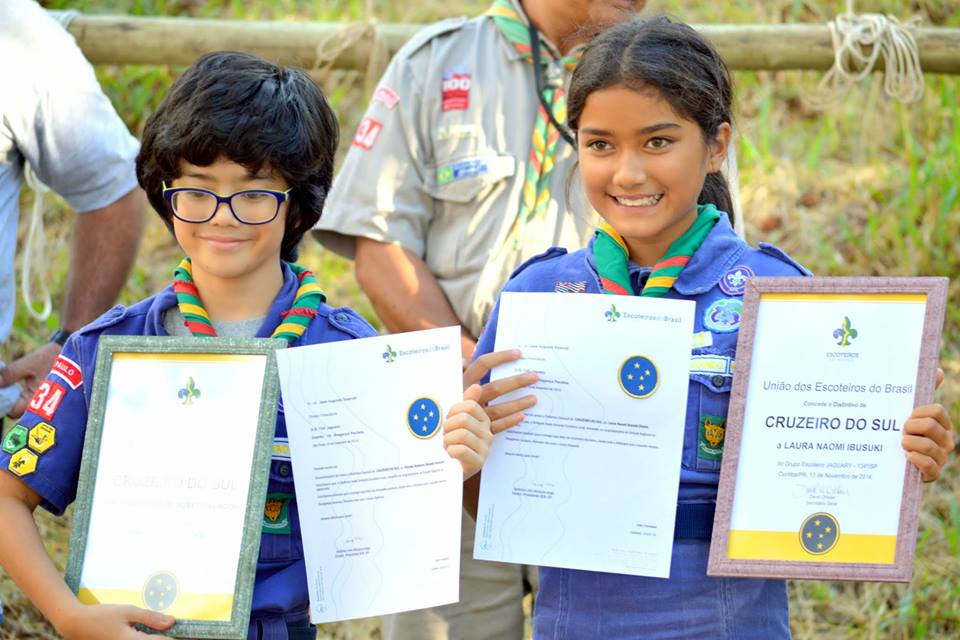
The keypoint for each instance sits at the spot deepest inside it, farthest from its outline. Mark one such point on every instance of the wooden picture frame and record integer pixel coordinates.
(174, 471)
(809, 453)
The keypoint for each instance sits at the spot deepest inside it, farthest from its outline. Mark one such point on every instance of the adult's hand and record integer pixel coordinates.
(28, 371)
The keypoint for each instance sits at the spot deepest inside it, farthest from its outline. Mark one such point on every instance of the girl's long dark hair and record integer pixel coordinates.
(675, 61)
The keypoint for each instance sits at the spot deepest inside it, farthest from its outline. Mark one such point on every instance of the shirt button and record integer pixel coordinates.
(284, 470)
(341, 317)
(718, 381)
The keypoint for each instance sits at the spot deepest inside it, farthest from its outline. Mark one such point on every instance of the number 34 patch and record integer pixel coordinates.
(47, 399)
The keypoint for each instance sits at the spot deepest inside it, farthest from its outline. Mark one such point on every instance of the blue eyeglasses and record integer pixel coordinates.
(252, 206)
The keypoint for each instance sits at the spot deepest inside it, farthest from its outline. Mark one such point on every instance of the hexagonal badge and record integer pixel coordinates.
(23, 462)
(42, 437)
(15, 439)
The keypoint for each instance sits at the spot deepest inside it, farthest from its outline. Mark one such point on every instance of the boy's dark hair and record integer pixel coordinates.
(672, 59)
(254, 113)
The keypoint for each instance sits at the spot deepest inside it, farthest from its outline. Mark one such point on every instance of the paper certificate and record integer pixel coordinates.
(589, 479)
(820, 471)
(379, 497)
(173, 482)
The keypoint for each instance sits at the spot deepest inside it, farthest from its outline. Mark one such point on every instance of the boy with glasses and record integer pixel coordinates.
(237, 160)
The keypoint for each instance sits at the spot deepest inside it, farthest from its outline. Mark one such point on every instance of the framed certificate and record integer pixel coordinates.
(814, 483)
(174, 478)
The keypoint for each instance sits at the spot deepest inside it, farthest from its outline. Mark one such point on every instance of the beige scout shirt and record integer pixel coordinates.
(438, 165)
(456, 101)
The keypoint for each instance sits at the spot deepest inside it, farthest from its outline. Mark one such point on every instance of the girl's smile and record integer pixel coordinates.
(643, 166)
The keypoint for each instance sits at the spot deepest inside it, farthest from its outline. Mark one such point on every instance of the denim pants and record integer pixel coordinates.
(280, 629)
(574, 605)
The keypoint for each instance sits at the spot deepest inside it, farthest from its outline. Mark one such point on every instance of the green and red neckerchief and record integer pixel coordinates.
(294, 322)
(543, 146)
(612, 257)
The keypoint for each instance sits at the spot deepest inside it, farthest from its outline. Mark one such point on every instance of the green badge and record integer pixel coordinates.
(712, 431)
(276, 513)
(15, 439)
(444, 175)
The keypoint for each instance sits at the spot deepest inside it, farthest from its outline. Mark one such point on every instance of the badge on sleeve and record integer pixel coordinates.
(386, 96)
(723, 316)
(456, 89)
(23, 462)
(15, 439)
(423, 418)
(68, 370)
(367, 133)
(47, 399)
(734, 281)
(42, 437)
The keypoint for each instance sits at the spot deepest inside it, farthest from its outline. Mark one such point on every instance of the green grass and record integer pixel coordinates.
(868, 187)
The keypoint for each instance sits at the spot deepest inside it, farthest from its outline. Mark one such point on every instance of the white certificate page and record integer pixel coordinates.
(821, 467)
(166, 521)
(379, 497)
(589, 479)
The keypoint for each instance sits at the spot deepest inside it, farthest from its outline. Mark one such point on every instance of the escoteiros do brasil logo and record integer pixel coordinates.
(846, 333)
(389, 355)
(612, 315)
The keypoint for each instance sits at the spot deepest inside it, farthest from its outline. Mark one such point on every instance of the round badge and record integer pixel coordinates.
(423, 418)
(734, 282)
(161, 591)
(639, 377)
(723, 316)
(819, 533)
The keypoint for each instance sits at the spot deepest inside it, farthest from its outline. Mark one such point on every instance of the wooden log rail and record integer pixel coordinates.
(114, 39)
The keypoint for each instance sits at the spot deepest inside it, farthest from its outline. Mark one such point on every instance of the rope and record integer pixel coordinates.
(330, 49)
(35, 248)
(859, 42)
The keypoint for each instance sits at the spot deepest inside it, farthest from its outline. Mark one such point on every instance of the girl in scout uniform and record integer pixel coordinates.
(265, 136)
(650, 104)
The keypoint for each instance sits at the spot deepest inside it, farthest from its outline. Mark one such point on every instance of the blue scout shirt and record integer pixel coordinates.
(715, 279)
(280, 590)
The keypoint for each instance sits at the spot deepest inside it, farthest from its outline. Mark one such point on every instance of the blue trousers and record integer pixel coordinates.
(584, 604)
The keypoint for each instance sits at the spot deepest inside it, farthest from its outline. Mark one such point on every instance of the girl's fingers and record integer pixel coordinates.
(505, 423)
(939, 378)
(468, 459)
(497, 388)
(931, 421)
(466, 415)
(928, 467)
(504, 409)
(480, 367)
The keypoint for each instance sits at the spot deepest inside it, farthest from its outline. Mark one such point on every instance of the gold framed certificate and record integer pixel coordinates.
(174, 477)
(814, 482)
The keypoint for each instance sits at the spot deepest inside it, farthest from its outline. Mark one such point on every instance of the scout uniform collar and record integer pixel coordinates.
(719, 251)
(290, 324)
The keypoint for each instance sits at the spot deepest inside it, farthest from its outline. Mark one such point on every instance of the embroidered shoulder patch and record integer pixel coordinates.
(386, 96)
(456, 89)
(734, 281)
(46, 400)
(15, 439)
(367, 133)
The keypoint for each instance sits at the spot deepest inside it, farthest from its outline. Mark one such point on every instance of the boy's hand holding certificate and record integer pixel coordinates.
(589, 479)
(379, 497)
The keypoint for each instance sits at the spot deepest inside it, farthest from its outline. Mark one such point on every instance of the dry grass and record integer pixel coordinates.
(869, 187)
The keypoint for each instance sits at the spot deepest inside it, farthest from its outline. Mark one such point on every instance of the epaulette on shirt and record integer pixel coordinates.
(428, 33)
(782, 256)
(549, 254)
(348, 321)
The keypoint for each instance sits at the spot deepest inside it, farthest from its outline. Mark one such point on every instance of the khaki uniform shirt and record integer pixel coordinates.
(438, 164)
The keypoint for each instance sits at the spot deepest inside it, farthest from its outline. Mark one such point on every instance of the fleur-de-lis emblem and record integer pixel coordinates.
(389, 355)
(612, 314)
(845, 333)
(189, 393)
